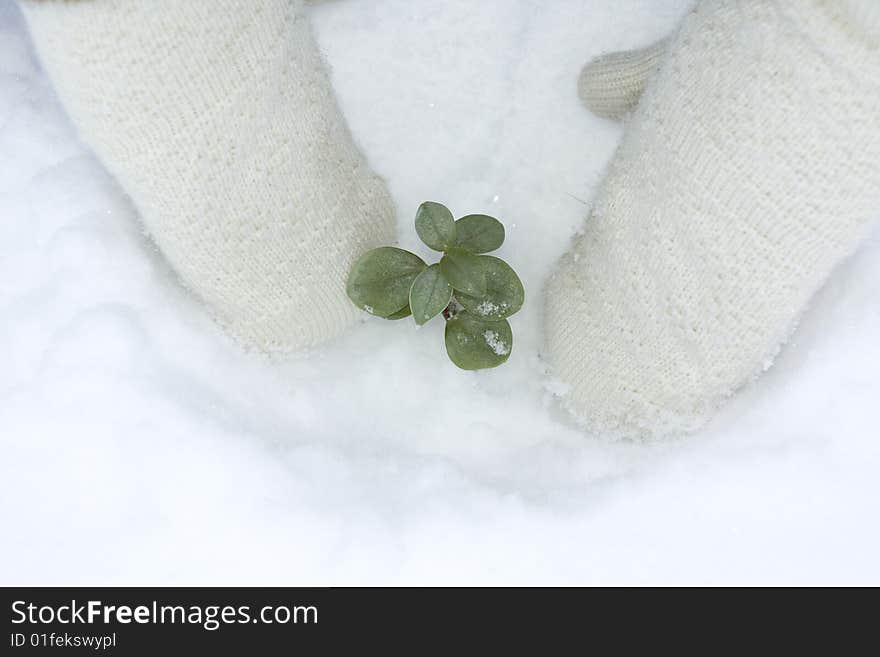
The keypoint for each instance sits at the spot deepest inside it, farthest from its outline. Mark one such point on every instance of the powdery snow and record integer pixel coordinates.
(489, 308)
(496, 343)
(139, 445)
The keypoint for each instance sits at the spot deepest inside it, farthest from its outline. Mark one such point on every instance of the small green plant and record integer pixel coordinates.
(474, 293)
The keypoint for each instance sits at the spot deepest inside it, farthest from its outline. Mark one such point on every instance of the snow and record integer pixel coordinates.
(496, 343)
(139, 445)
(489, 308)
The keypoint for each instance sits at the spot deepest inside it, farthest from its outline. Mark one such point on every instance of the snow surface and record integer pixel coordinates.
(139, 445)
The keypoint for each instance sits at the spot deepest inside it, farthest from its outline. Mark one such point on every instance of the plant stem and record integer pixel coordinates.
(452, 309)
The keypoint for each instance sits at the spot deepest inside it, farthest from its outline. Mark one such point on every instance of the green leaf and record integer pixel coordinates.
(464, 271)
(479, 233)
(435, 225)
(379, 282)
(475, 344)
(402, 313)
(429, 295)
(504, 292)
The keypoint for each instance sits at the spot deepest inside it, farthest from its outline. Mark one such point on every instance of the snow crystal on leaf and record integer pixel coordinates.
(495, 343)
(488, 308)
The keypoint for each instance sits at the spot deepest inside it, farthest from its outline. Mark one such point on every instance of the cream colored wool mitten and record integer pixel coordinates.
(218, 119)
(612, 84)
(750, 168)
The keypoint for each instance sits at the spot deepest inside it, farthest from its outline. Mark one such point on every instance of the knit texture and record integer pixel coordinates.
(218, 119)
(610, 85)
(749, 169)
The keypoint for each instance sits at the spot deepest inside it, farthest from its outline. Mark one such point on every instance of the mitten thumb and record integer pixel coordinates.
(611, 85)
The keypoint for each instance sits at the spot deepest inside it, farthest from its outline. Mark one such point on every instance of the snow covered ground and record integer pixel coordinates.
(139, 445)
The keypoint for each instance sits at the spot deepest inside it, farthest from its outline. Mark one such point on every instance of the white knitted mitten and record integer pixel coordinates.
(749, 169)
(218, 119)
(612, 84)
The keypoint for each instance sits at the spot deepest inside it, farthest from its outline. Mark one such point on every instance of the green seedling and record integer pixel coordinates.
(473, 292)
